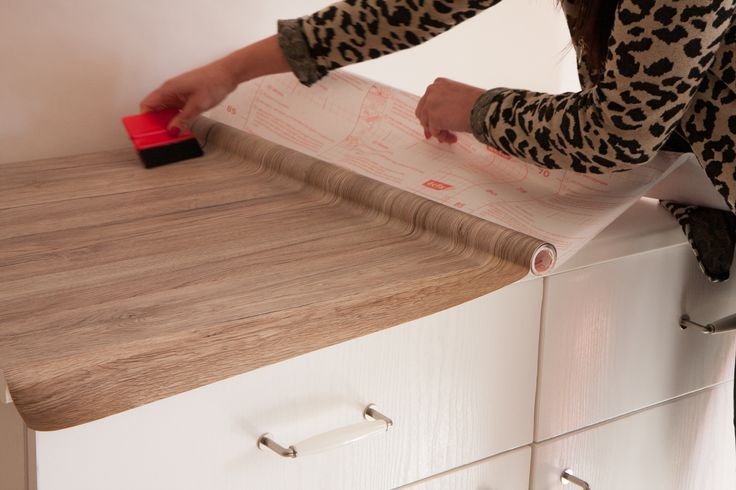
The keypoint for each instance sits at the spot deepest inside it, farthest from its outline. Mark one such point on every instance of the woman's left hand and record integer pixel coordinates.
(444, 109)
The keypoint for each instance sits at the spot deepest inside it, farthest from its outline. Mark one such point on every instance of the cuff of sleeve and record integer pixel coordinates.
(479, 116)
(296, 50)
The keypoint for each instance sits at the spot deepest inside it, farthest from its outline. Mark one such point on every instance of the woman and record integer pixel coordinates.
(654, 75)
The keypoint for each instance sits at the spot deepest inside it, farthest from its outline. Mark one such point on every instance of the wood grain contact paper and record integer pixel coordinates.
(120, 286)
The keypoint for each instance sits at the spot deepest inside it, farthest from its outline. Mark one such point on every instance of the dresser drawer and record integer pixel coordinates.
(611, 341)
(684, 444)
(507, 471)
(459, 386)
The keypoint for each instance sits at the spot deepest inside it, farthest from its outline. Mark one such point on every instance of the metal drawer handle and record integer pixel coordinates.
(376, 422)
(567, 477)
(726, 324)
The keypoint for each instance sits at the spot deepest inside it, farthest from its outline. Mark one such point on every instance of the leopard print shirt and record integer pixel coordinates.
(670, 67)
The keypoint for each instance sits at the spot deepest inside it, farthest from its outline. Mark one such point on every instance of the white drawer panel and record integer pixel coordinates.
(611, 341)
(685, 444)
(459, 386)
(508, 471)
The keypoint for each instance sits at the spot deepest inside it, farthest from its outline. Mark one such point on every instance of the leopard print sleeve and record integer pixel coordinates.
(711, 234)
(357, 30)
(658, 53)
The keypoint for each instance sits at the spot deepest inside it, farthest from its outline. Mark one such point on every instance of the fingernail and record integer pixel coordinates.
(174, 132)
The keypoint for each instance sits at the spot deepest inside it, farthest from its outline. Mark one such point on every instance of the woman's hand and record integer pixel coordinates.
(193, 92)
(445, 109)
(198, 90)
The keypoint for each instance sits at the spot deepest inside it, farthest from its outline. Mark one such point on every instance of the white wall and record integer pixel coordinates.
(71, 69)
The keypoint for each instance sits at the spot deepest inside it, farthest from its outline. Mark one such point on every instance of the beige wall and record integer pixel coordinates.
(70, 69)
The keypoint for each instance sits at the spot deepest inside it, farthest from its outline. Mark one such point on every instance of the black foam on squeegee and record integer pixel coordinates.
(173, 152)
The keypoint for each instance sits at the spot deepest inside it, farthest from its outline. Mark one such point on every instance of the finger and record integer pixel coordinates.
(420, 107)
(163, 98)
(444, 136)
(421, 113)
(153, 101)
(183, 120)
(437, 133)
(425, 125)
(448, 136)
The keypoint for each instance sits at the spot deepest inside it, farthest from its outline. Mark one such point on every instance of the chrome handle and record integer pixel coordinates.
(726, 324)
(567, 477)
(376, 422)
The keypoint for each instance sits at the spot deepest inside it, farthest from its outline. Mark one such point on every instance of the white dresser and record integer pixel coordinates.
(586, 370)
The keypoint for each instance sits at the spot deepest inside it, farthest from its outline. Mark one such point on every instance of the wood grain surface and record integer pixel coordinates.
(120, 286)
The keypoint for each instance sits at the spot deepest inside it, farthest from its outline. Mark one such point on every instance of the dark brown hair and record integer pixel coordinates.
(592, 29)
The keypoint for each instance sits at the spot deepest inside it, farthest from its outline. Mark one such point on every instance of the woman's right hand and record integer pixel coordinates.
(199, 90)
(193, 93)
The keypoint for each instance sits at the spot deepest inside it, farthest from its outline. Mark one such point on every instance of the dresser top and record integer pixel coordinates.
(120, 286)
(644, 227)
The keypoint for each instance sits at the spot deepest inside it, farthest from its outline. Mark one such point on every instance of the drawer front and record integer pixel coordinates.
(508, 471)
(459, 386)
(611, 341)
(685, 444)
